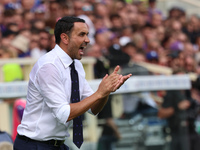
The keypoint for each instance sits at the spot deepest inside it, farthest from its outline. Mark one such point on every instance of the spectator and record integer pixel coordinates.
(102, 38)
(86, 9)
(28, 5)
(163, 60)
(39, 43)
(54, 10)
(139, 40)
(152, 57)
(44, 40)
(181, 110)
(117, 24)
(190, 65)
(156, 20)
(116, 55)
(101, 67)
(34, 40)
(176, 12)
(130, 49)
(6, 53)
(38, 24)
(174, 109)
(152, 9)
(176, 26)
(141, 20)
(189, 49)
(160, 32)
(20, 44)
(101, 10)
(8, 16)
(39, 12)
(174, 60)
(28, 17)
(134, 103)
(98, 24)
(182, 37)
(77, 5)
(148, 32)
(152, 44)
(192, 29)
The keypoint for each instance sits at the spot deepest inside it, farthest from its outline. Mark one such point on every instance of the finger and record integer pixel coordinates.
(121, 81)
(127, 76)
(114, 77)
(105, 76)
(120, 77)
(113, 81)
(124, 78)
(118, 85)
(116, 69)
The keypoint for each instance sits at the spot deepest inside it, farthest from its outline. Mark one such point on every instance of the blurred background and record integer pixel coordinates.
(158, 41)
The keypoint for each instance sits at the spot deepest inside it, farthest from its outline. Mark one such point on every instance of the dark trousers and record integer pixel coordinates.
(106, 142)
(180, 139)
(194, 141)
(21, 144)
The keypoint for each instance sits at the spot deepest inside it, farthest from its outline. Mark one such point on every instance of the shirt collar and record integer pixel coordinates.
(64, 57)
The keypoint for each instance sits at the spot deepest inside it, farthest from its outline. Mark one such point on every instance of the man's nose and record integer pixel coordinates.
(87, 40)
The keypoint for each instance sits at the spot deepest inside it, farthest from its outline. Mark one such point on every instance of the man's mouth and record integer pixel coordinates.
(81, 49)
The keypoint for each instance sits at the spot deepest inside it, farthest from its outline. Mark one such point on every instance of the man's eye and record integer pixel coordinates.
(82, 34)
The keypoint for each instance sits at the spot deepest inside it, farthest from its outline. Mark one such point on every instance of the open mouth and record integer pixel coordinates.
(81, 48)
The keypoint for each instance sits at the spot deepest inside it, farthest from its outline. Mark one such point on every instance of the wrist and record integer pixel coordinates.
(100, 95)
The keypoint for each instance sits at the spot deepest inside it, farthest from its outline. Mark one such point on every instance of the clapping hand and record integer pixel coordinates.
(112, 82)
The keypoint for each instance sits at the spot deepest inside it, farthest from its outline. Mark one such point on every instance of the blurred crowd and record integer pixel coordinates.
(118, 30)
(121, 32)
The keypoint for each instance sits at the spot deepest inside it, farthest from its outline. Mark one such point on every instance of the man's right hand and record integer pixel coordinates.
(112, 82)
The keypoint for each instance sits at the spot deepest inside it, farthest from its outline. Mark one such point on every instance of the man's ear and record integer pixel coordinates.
(64, 38)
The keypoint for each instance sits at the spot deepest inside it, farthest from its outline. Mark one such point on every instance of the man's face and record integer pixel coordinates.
(78, 40)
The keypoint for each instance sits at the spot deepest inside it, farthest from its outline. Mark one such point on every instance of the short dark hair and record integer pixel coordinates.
(65, 25)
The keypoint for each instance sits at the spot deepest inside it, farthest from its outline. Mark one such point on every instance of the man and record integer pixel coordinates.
(50, 105)
(174, 108)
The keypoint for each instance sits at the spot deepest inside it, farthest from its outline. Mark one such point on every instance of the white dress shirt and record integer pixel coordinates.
(48, 98)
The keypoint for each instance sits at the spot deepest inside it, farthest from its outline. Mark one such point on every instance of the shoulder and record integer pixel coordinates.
(49, 58)
(48, 62)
